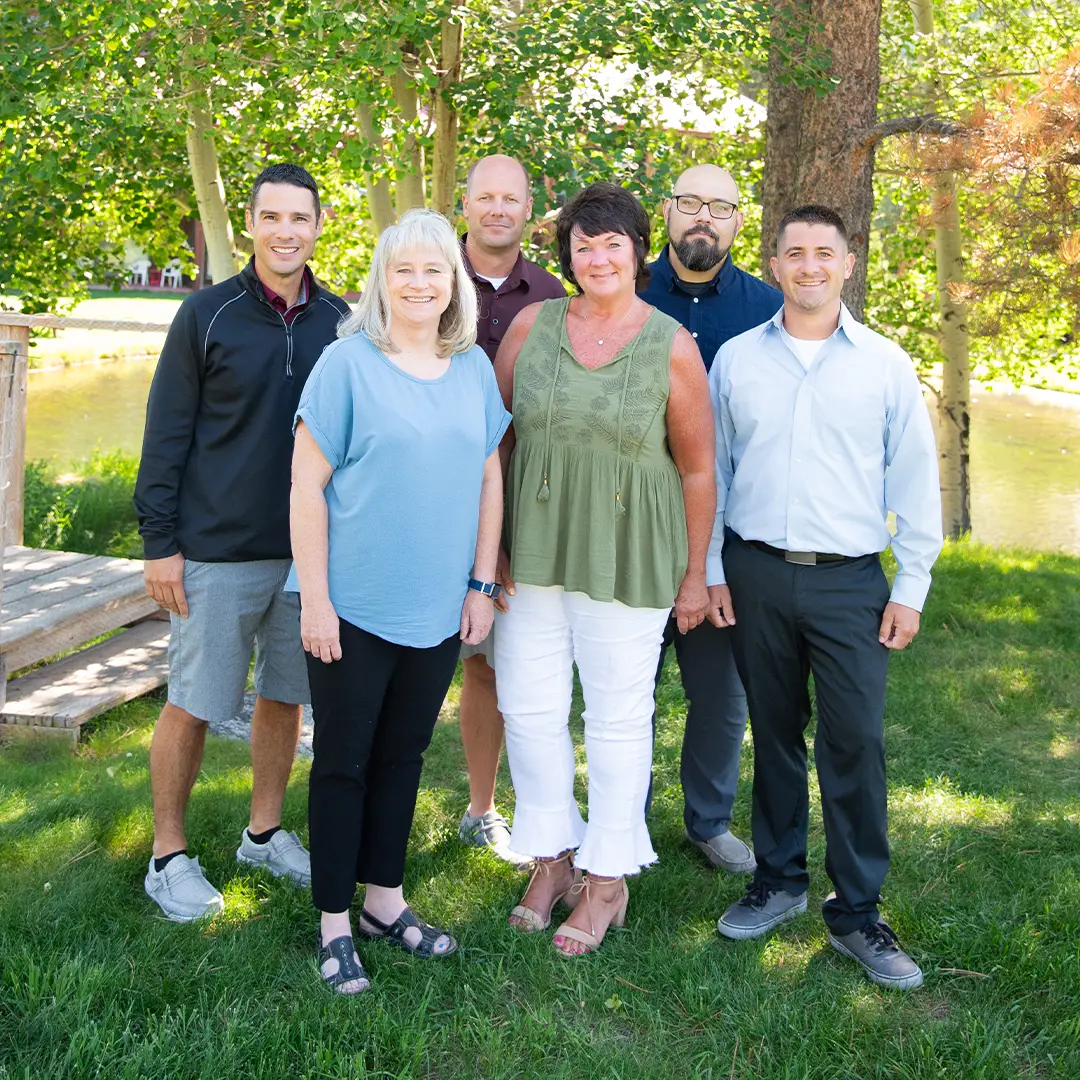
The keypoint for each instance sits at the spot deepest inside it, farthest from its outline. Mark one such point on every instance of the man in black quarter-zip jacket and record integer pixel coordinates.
(212, 498)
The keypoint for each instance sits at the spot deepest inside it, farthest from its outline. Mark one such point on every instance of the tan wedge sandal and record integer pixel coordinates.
(530, 920)
(590, 939)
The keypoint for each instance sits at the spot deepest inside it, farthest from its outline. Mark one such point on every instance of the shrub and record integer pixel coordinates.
(92, 513)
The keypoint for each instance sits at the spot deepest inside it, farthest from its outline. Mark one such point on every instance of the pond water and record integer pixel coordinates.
(1025, 446)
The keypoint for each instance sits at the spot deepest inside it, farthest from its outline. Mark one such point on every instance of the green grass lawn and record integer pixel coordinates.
(983, 730)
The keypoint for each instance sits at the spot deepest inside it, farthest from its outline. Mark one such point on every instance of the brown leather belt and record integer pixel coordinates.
(800, 558)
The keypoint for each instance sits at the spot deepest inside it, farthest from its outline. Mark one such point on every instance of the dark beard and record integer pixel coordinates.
(700, 253)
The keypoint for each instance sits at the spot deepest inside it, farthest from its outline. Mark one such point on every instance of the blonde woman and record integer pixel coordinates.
(396, 515)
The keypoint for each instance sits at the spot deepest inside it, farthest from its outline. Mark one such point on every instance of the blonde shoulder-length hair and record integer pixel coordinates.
(417, 230)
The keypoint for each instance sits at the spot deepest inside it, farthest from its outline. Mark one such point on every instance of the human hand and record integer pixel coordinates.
(692, 603)
(899, 625)
(477, 615)
(721, 609)
(320, 630)
(164, 580)
(502, 576)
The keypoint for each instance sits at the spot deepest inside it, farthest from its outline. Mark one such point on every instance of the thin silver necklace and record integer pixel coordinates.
(600, 341)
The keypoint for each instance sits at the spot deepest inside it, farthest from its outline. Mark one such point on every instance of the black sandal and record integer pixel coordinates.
(341, 949)
(395, 932)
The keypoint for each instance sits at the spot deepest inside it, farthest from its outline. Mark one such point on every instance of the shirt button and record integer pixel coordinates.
(697, 300)
(695, 335)
(795, 500)
(494, 322)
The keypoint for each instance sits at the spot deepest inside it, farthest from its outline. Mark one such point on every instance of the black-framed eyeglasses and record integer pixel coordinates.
(691, 204)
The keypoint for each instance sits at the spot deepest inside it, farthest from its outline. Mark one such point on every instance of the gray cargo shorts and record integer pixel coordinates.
(485, 648)
(232, 609)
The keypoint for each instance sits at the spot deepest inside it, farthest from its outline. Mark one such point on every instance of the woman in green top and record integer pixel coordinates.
(610, 506)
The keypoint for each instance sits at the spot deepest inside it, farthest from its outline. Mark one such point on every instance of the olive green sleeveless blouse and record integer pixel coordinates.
(594, 501)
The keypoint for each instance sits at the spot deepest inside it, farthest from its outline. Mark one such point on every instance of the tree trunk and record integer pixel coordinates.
(808, 157)
(380, 205)
(206, 180)
(954, 418)
(444, 167)
(410, 185)
(954, 421)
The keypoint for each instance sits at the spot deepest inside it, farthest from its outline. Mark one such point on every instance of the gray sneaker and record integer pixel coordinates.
(490, 831)
(727, 852)
(876, 949)
(182, 891)
(283, 855)
(759, 911)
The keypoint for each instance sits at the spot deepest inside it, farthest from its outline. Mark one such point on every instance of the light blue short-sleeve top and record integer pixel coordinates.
(404, 498)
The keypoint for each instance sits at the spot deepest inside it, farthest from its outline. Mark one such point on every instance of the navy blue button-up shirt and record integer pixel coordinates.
(735, 302)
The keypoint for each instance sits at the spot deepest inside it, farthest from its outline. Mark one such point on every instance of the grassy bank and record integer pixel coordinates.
(89, 511)
(63, 347)
(984, 766)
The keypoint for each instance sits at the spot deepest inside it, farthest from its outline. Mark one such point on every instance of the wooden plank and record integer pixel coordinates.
(10, 732)
(23, 562)
(87, 683)
(97, 618)
(17, 629)
(64, 585)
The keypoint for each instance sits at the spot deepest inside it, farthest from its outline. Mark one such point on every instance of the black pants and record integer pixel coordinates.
(793, 620)
(374, 712)
(715, 723)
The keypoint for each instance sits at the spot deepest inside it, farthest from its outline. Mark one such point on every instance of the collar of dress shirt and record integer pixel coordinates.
(853, 329)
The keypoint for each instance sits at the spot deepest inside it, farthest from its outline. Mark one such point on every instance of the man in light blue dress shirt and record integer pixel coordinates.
(821, 432)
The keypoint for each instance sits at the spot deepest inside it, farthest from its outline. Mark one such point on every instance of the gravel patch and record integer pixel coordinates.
(239, 727)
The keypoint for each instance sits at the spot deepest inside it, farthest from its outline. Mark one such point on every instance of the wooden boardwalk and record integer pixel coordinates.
(55, 601)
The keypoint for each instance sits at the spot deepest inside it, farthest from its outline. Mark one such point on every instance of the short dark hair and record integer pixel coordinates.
(812, 214)
(286, 173)
(604, 208)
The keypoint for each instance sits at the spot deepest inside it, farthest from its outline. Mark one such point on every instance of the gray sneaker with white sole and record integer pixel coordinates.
(876, 949)
(182, 891)
(283, 855)
(490, 831)
(727, 852)
(759, 911)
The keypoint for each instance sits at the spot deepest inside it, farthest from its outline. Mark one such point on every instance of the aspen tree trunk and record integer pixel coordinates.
(953, 404)
(410, 185)
(206, 180)
(444, 168)
(380, 204)
(807, 134)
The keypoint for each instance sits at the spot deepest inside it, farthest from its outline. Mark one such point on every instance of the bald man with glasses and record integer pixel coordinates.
(695, 281)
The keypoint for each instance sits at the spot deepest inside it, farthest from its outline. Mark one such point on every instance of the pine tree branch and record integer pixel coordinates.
(868, 138)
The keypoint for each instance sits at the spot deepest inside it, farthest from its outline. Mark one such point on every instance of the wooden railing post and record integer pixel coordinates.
(14, 354)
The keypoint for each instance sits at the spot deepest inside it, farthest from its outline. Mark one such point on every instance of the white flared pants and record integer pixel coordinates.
(616, 648)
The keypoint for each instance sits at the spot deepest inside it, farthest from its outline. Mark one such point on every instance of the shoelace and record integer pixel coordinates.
(757, 895)
(487, 824)
(880, 936)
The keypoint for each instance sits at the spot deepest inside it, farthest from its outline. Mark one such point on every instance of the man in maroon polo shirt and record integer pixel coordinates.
(497, 206)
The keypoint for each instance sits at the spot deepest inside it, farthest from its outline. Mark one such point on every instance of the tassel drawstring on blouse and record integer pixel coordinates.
(620, 507)
(544, 494)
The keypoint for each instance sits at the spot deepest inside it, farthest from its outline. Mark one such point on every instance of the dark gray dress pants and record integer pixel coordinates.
(715, 724)
(792, 621)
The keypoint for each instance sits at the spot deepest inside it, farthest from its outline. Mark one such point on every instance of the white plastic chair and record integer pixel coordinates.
(171, 278)
(140, 272)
